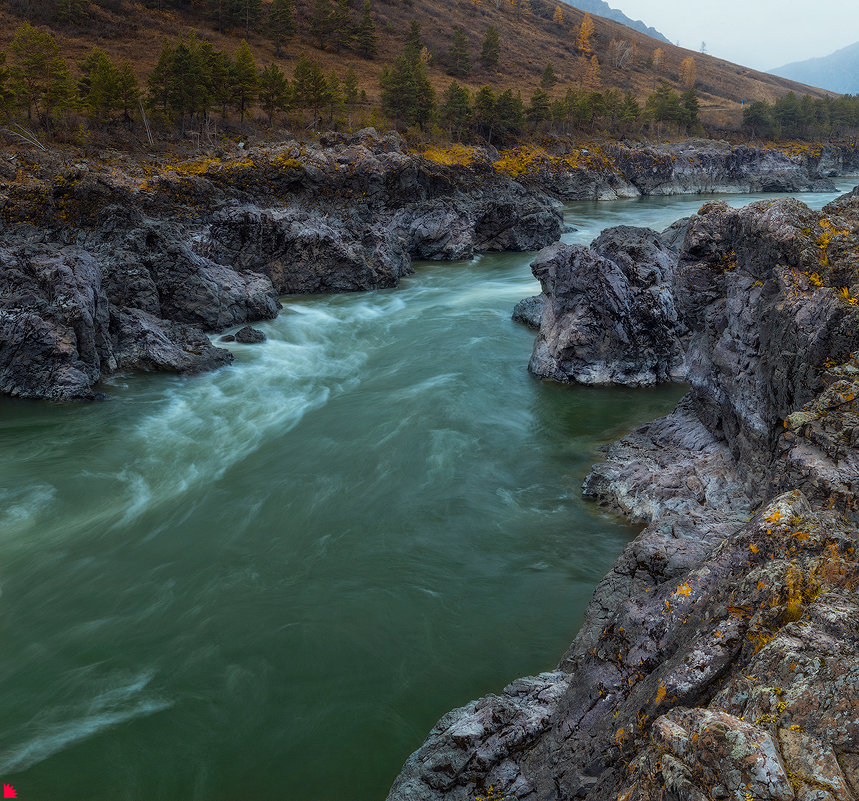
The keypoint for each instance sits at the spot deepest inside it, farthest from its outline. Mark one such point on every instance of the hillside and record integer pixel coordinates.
(838, 72)
(131, 30)
(603, 9)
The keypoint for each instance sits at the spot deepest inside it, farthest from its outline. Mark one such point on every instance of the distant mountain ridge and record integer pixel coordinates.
(838, 72)
(603, 9)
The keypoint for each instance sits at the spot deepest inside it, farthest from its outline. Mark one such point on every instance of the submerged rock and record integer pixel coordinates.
(529, 311)
(250, 336)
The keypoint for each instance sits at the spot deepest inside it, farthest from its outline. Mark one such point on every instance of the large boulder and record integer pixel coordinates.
(609, 315)
(54, 323)
(303, 252)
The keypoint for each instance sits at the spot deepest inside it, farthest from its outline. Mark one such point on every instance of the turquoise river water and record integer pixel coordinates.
(268, 582)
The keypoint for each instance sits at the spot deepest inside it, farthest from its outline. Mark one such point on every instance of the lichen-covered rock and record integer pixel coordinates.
(717, 667)
(762, 288)
(608, 312)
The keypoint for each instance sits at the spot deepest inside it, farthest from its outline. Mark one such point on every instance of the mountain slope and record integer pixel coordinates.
(605, 10)
(838, 72)
(131, 30)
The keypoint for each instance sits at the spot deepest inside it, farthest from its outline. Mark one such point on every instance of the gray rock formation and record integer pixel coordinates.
(529, 312)
(305, 253)
(250, 336)
(154, 267)
(54, 324)
(608, 311)
(695, 166)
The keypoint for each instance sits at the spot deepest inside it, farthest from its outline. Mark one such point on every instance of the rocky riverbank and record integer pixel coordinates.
(695, 166)
(115, 265)
(718, 659)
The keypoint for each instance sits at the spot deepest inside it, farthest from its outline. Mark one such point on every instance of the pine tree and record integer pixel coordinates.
(540, 109)
(245, 79)
(585, 33)
(483, 112)
(407, 95)
(459, 58)
(98, 87)
(220, 12)
(414, 44)
(691, 108)
(281, 23)
(509, 114)
(274, 92)
(350, 91)
(341, 26)
(758, 118)
(310, 89)
(158, 79)
(40, 76)
(320, 22)
(365, 35)
(455, 109)
(7, 96)
(491, 48)
(334, 92)
(128, 90)
(71, 10)
(219, 71)
(548, 79)
(664, 105)
(248, 13)
(187, 93)
(630, 111)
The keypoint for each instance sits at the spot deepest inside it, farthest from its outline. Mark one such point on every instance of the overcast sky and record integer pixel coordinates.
(756, 33)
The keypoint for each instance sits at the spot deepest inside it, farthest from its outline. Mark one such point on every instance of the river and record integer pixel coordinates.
(268, 582)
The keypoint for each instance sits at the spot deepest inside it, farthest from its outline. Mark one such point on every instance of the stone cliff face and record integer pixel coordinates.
(698, 167)
(718, 659)
(100, 273)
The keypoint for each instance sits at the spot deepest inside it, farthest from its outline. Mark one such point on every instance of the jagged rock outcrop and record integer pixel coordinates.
(718, 659)
(699, 166)
(305, 253)
(112, 273)
(694, 166)
(60, 330)
(609, 315)
(54, 323)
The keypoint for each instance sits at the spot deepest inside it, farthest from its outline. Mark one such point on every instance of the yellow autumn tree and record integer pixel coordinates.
(521, 7)
(585, 34)
(688, 72)
(558, 17)
(658, 60)
(592, 75)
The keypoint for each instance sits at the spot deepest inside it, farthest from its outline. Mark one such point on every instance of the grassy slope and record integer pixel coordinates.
(136, 32)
